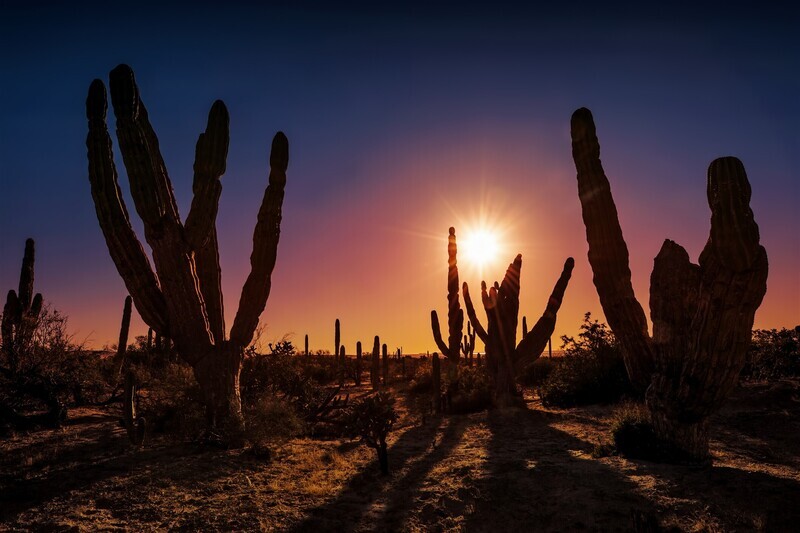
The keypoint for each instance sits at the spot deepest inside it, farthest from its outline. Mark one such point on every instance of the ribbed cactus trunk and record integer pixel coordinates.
(455, 315)
(504, 357)
(182, 298)
(702, 314)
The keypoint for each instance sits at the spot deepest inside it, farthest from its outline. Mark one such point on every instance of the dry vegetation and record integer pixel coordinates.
(489, 471)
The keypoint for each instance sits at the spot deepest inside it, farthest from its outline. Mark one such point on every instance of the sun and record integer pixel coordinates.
(479, 247)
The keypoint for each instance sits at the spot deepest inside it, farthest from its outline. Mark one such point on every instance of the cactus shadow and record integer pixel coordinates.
(50, 464)
(539, 478)
(411, 458)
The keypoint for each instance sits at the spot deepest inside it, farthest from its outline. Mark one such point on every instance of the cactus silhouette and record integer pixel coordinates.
(702, 314)
(182, 298)
(455, 315)
(504, 357)
(21, 312)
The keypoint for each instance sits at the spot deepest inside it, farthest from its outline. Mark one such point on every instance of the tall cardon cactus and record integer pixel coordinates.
(702, 314)
(455, 315)
(182, 298)
(504, 357)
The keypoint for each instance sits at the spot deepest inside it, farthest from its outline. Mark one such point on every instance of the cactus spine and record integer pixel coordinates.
(182, 298)
(505, 358)
(702, 314)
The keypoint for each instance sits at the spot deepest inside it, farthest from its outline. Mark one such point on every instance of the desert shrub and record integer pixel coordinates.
(421, 379)
(471, 393)
(537, 373)
(370, 420)
(47, 374)
(635, 438)
(290, 380)
(591, 371)
(271, 422)
(170, 400)
(773, 354)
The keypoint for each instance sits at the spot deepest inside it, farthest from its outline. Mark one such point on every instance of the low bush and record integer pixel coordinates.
(471, 393)
(536, 374)
(370, 420)
(773, 354)
(635, 438)
(591, 371)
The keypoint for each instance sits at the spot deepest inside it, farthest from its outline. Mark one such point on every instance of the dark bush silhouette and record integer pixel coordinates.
(591, 371)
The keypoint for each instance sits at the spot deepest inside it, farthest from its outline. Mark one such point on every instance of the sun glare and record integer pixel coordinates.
(479, 247)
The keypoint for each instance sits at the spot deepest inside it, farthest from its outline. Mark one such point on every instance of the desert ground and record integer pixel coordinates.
(534, 469)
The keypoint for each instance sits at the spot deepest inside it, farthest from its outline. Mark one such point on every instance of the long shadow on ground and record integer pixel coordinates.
(411, 458)
(57, 464)
(539, 478)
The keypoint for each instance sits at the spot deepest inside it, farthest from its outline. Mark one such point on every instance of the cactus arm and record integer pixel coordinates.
(200, 227)
(473, 317)
(25, 293)
(532, 344)
(209, 276)
(608, 253)
(730, 283)
(150, 187)
(211, 152)
(507, 297)
(155, 203)
(125, 249)
(265, 246)
(455, 315)
(734, 233)
(437, 332)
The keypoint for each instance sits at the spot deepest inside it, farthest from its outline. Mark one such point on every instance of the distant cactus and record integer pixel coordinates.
(337, 343)
(385, 365)
(702, 314)
(21, 312)
(455, 315)
(306, 347)
(504, 357)
(468, 344)
(342, 369)
(358, 364)
(182, 299)
(374, 372)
